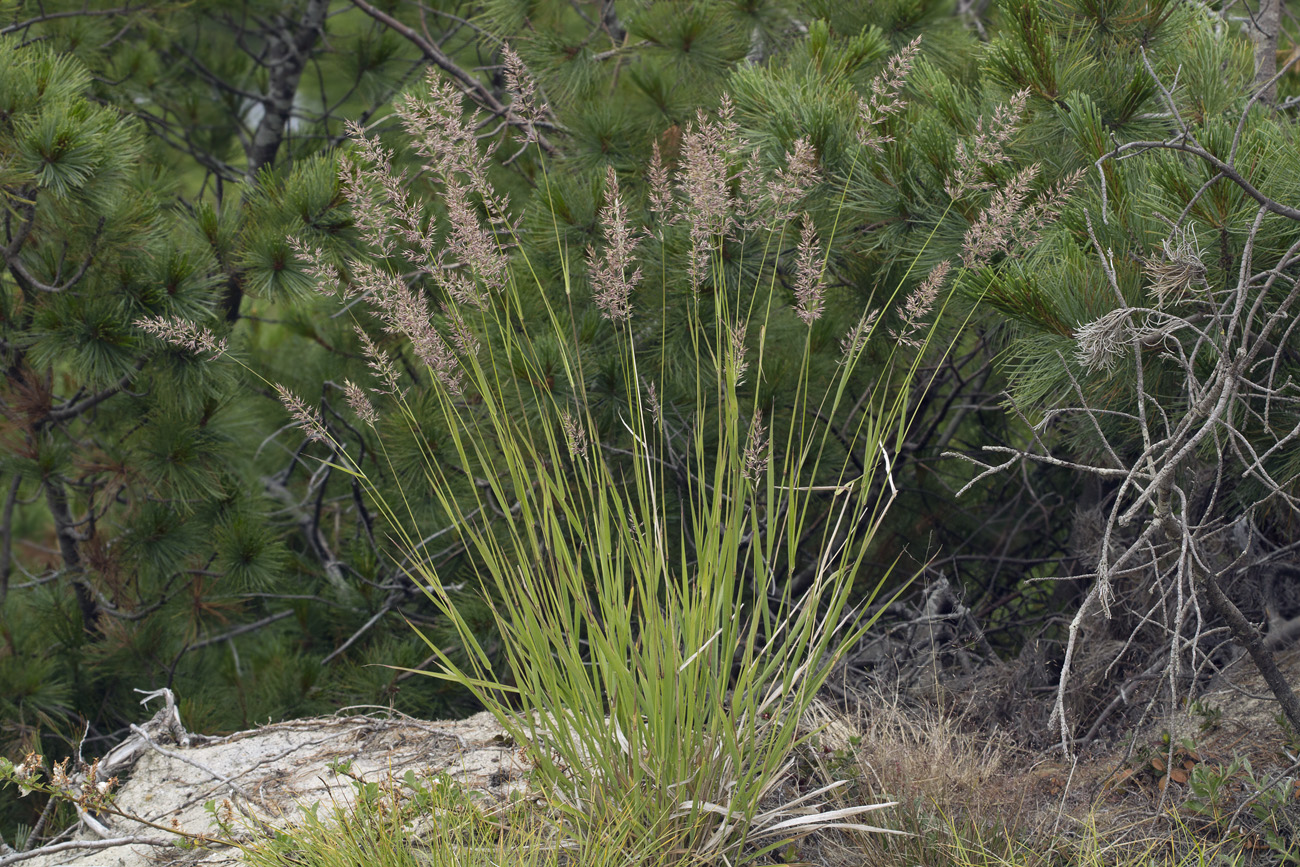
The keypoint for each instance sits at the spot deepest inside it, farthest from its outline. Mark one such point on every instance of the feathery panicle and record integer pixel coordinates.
(727, 126)
(755, 193)
(575, 435)
(736, 350)
(360, 404)
(438, 356)
(853, 342)
(522, 87)
(756, 454)
(1045, 210)
(474, 247)
(609, 272)
(809, 285)
(184, 334)
(403, 311)
(705, 182)
(792, 183)
(652, 403)
(886, 98)
(661, 190)
(920, 302)
(326, 277)
(473, 261)
(465, 340)
(988, 147)
(303, 416)
(992, 232)
(382, 203)
(1181, 266)
(360, 187)
(445, 135)
(379, 362)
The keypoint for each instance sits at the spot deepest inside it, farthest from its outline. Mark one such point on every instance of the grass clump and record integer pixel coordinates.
(671, 587)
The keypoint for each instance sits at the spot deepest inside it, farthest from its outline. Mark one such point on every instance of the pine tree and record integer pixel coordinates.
(154, 161)
(129, 448)
(1149, 336)
(194, 538)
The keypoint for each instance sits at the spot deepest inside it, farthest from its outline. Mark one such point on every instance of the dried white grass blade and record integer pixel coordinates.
(703, 647)
(789, 806)
(846, 826)
(818, 819)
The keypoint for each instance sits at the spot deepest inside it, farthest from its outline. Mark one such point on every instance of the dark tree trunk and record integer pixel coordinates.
(1264, 27)
(57, 499)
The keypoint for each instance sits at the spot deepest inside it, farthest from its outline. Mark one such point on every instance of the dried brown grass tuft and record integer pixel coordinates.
(953, 783)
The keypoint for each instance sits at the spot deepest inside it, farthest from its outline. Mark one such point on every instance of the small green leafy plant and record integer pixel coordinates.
(1211, 791)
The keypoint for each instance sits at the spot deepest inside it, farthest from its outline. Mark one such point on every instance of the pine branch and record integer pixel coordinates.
(77, 13)
(72, 410)
(468, 84)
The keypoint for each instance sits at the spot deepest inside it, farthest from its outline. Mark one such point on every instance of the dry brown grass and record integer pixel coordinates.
(968, 794)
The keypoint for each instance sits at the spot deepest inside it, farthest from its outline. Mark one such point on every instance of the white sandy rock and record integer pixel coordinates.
(167, 775)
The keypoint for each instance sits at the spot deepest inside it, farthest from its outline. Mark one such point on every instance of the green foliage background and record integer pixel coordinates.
(163, 526)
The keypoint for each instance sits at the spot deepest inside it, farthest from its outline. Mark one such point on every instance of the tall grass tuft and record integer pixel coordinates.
(656, 652)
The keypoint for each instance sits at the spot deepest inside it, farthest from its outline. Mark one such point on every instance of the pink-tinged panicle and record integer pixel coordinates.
(474, 246)
(757, 453)
(705, 184)
(792, 183)
(379, 362)
(382, 204)
(360, 403)
(809, 285)
(661, 190)
(652, 403)
(184, 334)
(359, 176)
(853, 342)
(446, 136)
(303, 416)
(403, 214)
(430, 347)
(919, 303)
(987, 148)
(994, 231)
(727, 125)
(474, 259)
(736, 350)
(325, 276)
(403, 311)
(436, 354)
(522, 87)
(611, 283)
(465, 340)
(886, 99)
(407, 217)
(443, 134)
(1045, 210)
(575, 435)
(384, 290)
(755, 193)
